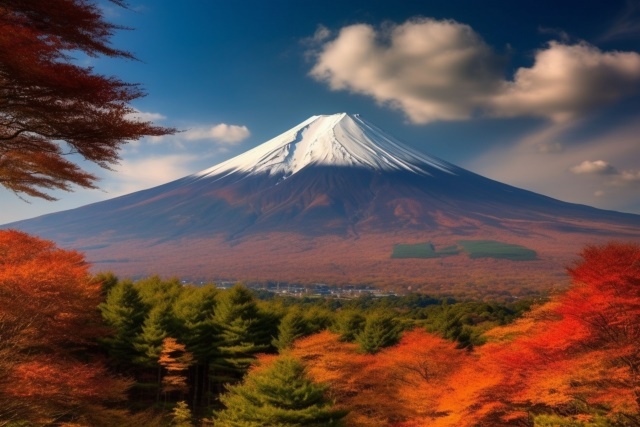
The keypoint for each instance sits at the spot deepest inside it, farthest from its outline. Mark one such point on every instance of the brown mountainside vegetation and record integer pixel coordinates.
(82, 350)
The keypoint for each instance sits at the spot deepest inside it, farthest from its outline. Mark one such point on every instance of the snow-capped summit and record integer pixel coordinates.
(328, 201)
(333, 140)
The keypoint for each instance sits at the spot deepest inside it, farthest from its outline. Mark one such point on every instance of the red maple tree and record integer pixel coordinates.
(50, 368)
(51, 107)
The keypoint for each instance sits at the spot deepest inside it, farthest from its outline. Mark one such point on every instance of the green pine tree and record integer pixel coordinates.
(317, 319)
(107, 280)
(292, 326)
(194, 311)
(154, 290)
(380, 330)
(244, 332)
(181, 415)
(348, 324)
(156, 327)
(280, 395)
(124, 312)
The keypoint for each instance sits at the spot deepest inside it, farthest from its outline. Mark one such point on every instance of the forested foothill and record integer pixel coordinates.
(95, 350)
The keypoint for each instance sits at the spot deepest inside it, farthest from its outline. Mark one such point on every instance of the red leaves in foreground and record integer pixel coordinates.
(575, 358)
(48, 327)
(396, 385)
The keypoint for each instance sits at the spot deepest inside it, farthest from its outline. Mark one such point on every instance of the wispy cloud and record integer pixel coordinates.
(609, 178)
(137, 174)
(626, 178)
(443, 70)
(322, 34)
(596, 167)
(626, 25)
(222, 133)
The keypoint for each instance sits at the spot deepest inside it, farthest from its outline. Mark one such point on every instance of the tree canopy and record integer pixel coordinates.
(51, 107)
(50, 366)
(280, 395)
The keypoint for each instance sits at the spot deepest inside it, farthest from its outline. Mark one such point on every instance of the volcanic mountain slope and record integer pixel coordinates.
(326, 201)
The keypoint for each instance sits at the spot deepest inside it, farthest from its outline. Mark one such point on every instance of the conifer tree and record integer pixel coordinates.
(243, 333)
(107, 281)
(154, 290)
(194, 315)
(280, 395)
(292, 326)
(125, 312)
(194, 312)
(348, 324)
(181, 415)
(157, 326)
(317, 319)
(380, 330)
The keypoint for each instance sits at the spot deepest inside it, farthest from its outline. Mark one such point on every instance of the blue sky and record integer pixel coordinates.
(542, 95)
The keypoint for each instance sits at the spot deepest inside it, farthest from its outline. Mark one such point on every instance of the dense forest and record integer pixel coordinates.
(94, 350)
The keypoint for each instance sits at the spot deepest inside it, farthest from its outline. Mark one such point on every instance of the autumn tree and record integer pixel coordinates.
(50, 106)
(278, 395)
(575, 359)
(417, 371)
(50, 365)
(175, 360)
(340, 365)
(399, 385)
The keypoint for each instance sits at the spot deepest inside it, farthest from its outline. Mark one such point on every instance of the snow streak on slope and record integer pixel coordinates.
(335, 140)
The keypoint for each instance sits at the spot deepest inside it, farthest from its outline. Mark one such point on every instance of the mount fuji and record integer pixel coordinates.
(327, 201)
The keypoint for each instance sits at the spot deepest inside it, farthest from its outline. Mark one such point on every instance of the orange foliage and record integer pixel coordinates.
(577, 354)
(584, 346)
(418, 371)
(175, 359)
(400, 385)
(48, 325)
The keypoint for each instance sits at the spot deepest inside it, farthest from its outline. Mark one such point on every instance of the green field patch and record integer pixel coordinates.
(448, 251)
(498, 250)
(422, 250)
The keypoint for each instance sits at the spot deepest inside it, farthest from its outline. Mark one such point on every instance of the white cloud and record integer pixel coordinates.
(431, 70)
(597, 167)
(565, 175)
(568, 81)
(137, 174)
(626, 178)
(223, 133)
(443, 70)
(322, 33)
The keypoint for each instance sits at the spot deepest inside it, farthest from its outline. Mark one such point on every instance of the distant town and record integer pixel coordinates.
(309, 290)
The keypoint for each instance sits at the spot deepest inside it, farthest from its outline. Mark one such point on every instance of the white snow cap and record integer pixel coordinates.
(335, 140)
